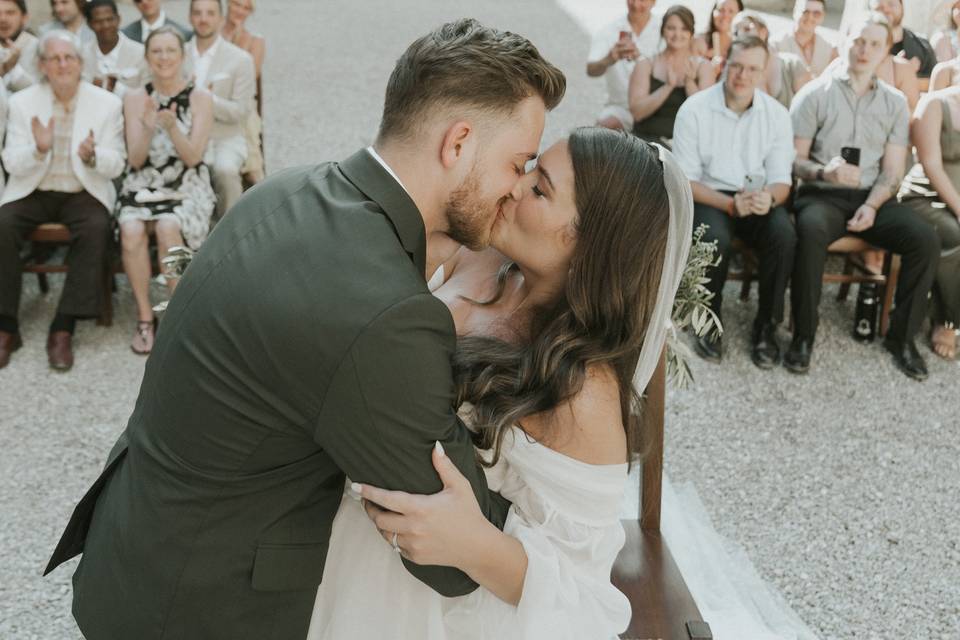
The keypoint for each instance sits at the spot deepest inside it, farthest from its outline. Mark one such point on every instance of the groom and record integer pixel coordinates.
(302, 345)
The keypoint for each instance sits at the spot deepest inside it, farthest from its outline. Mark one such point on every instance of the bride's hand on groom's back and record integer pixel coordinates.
(440, 529)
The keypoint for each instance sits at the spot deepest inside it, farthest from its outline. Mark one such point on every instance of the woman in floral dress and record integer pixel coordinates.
(167, 189)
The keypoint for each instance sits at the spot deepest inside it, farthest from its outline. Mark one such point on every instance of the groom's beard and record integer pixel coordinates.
(468, 217)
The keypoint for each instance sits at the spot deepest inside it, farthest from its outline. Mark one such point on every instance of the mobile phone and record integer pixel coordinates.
(626, 35)
(850, 155)
(754, 182)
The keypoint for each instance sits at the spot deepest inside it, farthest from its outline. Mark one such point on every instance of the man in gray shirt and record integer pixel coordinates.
(851, 136)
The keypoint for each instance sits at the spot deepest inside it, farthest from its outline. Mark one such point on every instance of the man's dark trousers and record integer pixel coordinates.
(772, 236)
(822, 216)
(89, 225)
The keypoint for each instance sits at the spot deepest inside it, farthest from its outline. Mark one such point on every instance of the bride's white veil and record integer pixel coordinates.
(679, 237)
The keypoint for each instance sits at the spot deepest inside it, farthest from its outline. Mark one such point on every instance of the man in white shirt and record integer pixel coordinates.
(112, 61)
(68, 16)
(613, 54)
(64, 147)
(18, 47)
(152, 17)
(228, 72)
(735, 143)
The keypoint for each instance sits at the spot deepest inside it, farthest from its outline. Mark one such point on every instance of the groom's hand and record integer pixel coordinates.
(437, 529)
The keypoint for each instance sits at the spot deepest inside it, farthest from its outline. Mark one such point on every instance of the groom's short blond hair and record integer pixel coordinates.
(465, 64)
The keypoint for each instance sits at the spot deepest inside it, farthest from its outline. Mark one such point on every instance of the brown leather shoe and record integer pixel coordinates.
(60, 350)
(9, 342)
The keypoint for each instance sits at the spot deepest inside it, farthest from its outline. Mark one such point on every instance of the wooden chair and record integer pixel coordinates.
(854, 272)
(44, 241)
(645, 570)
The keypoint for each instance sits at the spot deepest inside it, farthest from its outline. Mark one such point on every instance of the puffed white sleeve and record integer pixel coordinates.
(567, 593)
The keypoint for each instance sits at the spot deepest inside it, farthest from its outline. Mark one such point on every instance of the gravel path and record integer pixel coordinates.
(841, 485)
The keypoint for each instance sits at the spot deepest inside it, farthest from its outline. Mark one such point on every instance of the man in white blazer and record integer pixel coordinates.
(18, 47)
(228, 72)
(112, 61)
(64, 147)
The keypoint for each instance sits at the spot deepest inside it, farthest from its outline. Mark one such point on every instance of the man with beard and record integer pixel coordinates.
(230, 75)
(18, 55)
(851, 135)
(906, 43)
(68, 16)
(302, 346)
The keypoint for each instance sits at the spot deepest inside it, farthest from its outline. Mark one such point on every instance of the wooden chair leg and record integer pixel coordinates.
(107, 284)
(891, 269)
(745, 285)
(42, 281)
(845, 286)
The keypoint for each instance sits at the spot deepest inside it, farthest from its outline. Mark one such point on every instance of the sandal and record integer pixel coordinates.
(142, 342)
(943, 341)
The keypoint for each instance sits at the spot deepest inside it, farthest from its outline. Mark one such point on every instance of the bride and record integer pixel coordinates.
(561, 323)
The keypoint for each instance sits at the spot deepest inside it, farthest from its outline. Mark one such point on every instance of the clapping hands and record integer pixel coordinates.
(87, 150)
(42, 134)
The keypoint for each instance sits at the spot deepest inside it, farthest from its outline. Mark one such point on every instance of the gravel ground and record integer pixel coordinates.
(841, 485)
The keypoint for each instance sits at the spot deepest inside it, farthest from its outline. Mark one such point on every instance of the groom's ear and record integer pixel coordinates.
(458, 143)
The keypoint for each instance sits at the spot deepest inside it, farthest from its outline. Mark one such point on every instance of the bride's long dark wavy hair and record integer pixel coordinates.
(606, 306)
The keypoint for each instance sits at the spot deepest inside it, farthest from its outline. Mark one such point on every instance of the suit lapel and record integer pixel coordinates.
(367, 175)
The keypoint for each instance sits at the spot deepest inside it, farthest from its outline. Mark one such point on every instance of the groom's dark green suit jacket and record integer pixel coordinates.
(302, 344)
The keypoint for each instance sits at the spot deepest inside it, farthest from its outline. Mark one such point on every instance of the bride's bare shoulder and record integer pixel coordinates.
(589, 427)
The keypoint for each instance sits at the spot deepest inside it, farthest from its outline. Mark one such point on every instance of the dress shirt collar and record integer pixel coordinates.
(383, 163)
(147, 27)
(209, 53)
(842, 73)
(719, 102)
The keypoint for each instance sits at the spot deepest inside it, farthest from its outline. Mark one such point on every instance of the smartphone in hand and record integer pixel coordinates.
(754, 182)
(850, 155)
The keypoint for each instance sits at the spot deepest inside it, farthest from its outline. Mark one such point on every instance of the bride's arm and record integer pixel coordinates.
(448, 529)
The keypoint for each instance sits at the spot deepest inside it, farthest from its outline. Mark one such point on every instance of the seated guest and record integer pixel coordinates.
(68, 16)
(714, 44)
(804, 40)
(228, 72)
(658, 86)
(931, 190)
(946, 43)
(18, 47)
(167, 190)
(152, 16)
(235, 31)
(735, 144)
(786, 72)
(64, 148)
(113, 61)
(844, 113)
(614, 50)
(907, 44)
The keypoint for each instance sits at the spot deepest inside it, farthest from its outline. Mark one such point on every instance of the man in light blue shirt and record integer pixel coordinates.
(735, 143)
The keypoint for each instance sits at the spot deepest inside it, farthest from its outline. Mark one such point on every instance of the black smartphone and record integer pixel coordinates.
(850, 155)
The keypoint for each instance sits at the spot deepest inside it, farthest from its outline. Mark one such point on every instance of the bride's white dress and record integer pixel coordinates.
(566, 513)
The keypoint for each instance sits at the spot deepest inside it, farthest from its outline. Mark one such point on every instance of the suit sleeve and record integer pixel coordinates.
(235, 108)
(388, 403)
(20, 147)
(110, 148)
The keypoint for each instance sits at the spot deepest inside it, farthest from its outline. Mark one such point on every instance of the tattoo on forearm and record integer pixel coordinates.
(806, 169)
(886, 186)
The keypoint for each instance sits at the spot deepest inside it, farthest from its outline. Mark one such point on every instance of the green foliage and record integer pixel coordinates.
(691, 308)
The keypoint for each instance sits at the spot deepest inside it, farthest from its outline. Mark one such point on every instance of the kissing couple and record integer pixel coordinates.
(325, 445)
